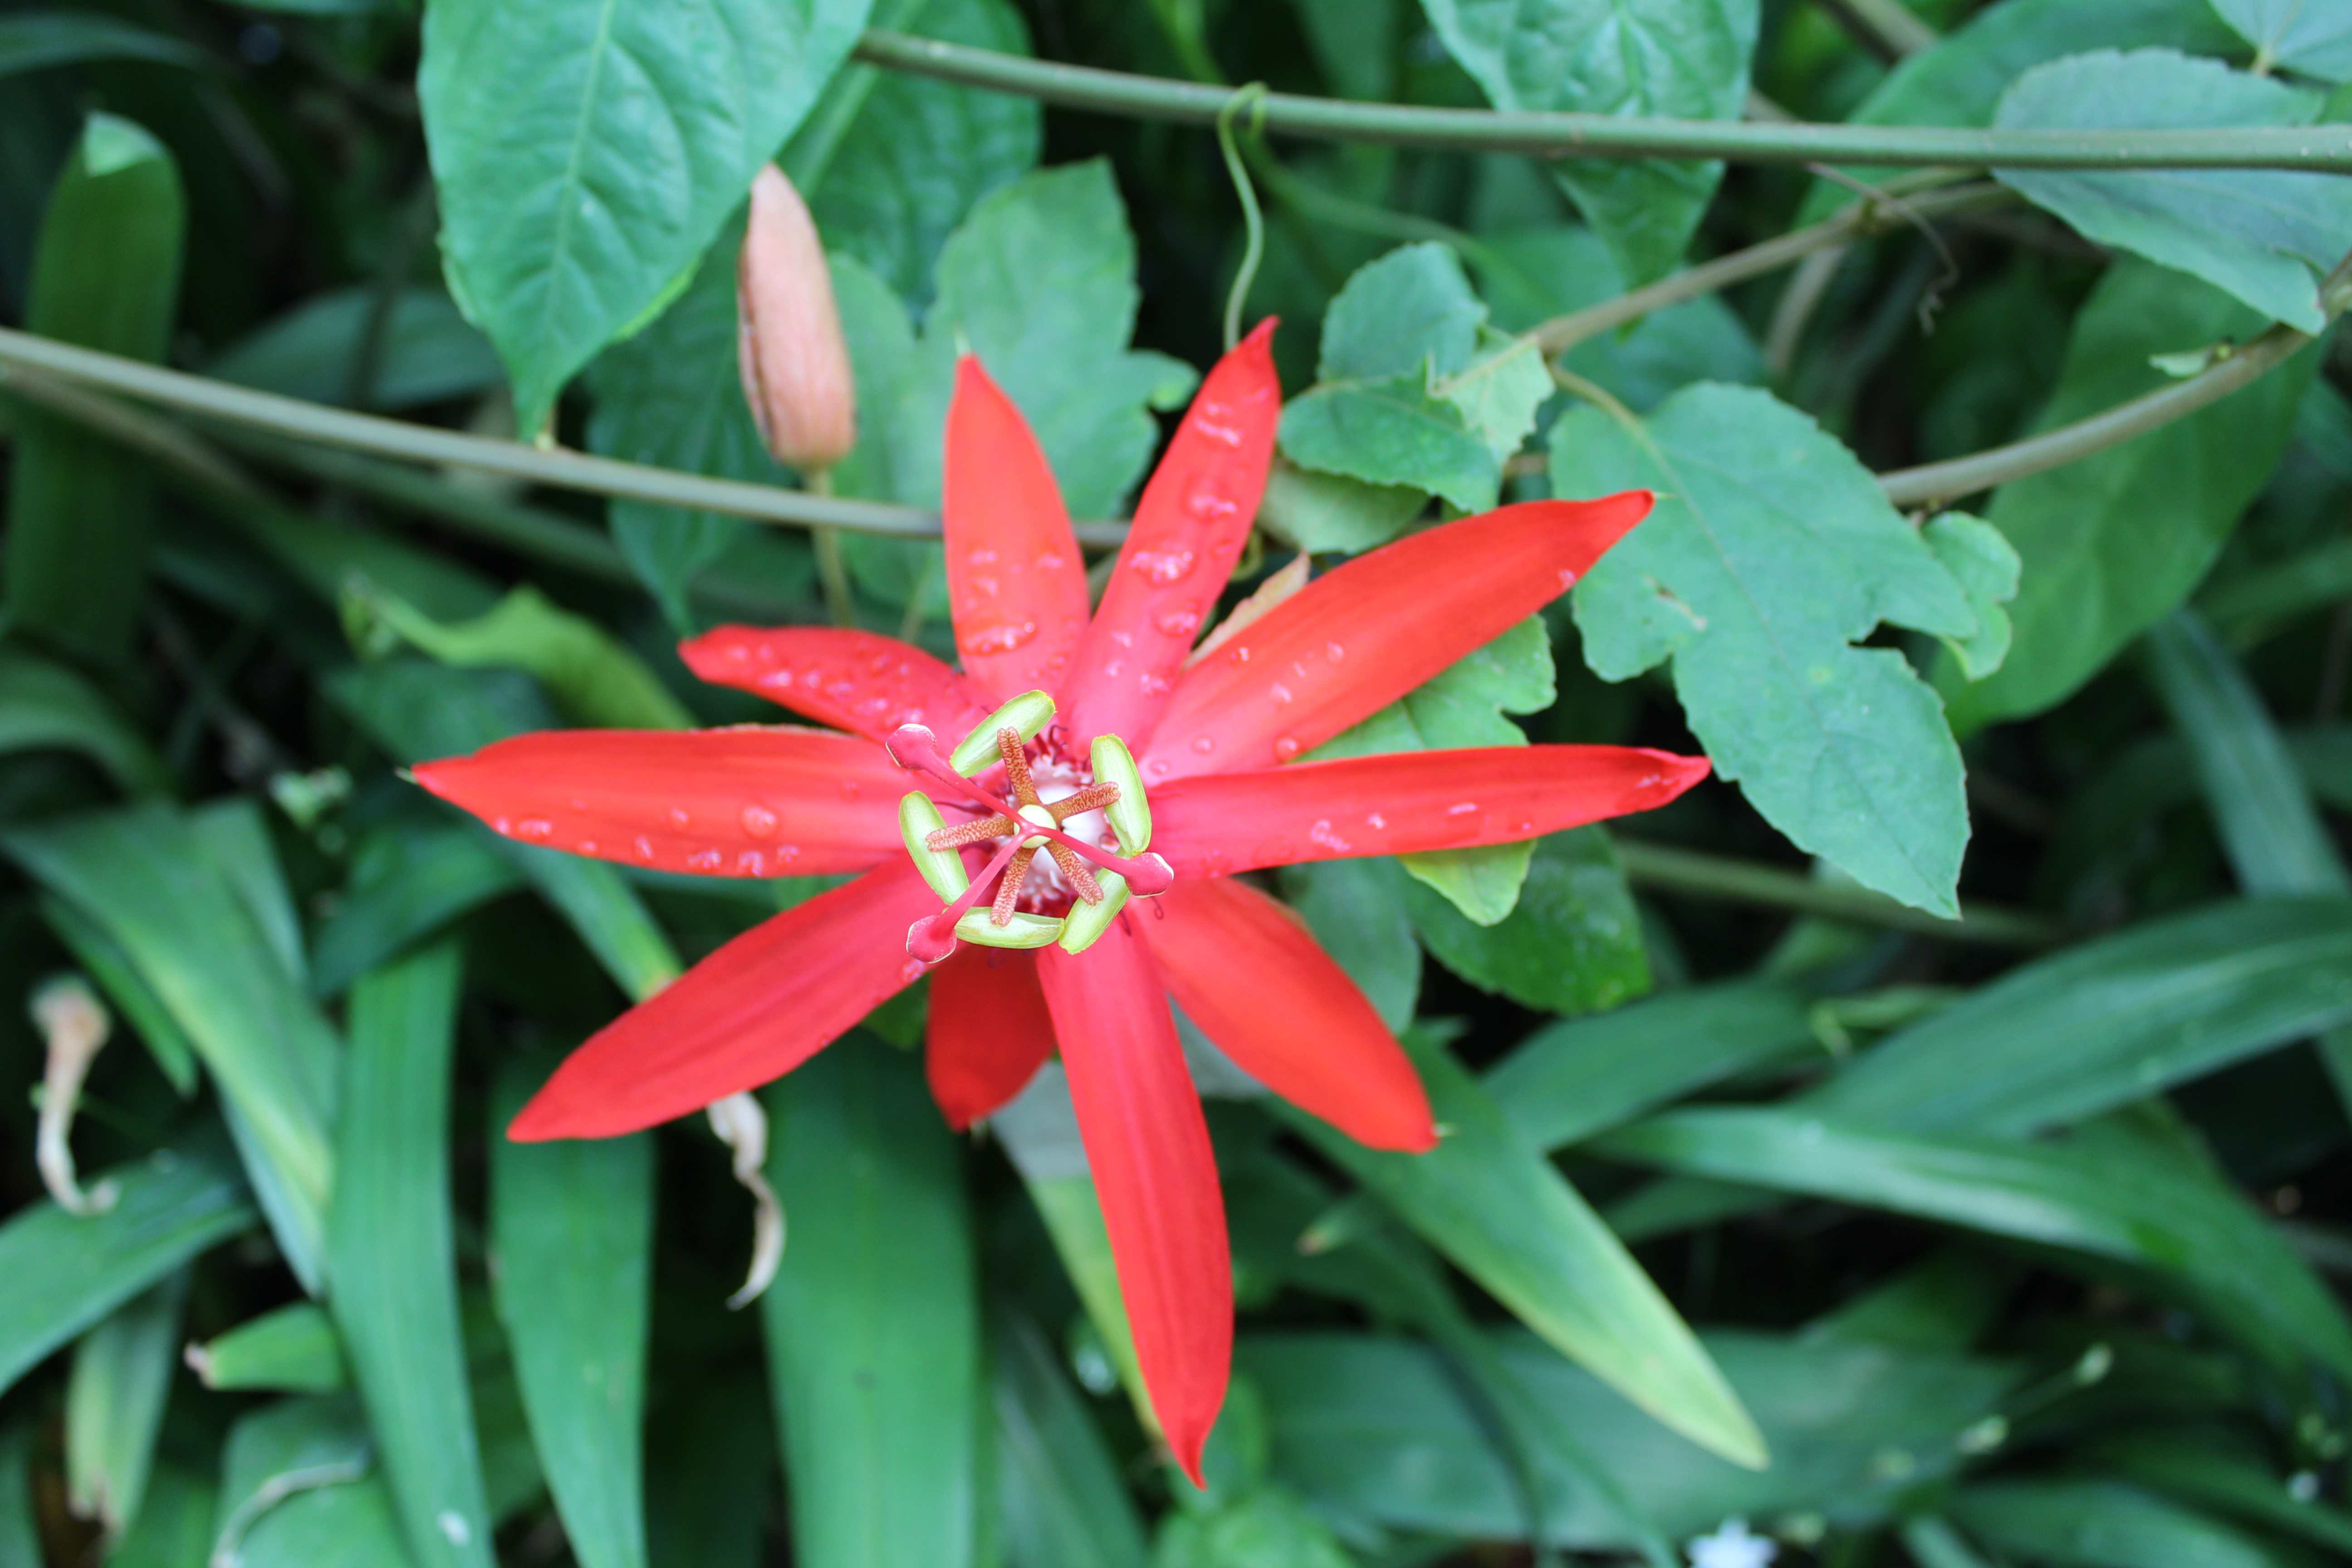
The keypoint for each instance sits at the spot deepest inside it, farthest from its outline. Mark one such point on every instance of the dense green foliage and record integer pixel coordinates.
(1930, 1142)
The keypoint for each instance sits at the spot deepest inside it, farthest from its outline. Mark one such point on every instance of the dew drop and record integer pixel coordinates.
(1177, 623)
(1156, 767)
(1203, 744)
(1376, 821)
(1278, 691)
(1156, 685)
(1002, 638)
(759, 821)
(1461, 808)
(1334, 652)
(1208, 503)
(645, 847)
(1161, 567)
(1050, 562)
(1322, 836)
(677, 817)
(981, 557)
(1223, 435)
(1284, 748)
(585, 847)
(538, 829)
(751, 863)
(503, 827)
(704, 860)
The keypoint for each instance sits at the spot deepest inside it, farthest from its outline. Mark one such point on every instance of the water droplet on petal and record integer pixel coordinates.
(1284, 748)
(645, 847)
(1156, 685)
(751, 863)
(585, 847)
(1177, 623)
(677, 817)
(1223, 435)
(1156, 767)
(1278, 691)
(1334, 652)
(759, 821)
(1161, 567)
(503, 827)
(1049, 562)
(1376, 821)
(1002, 638)
(1461, 808)
(704, 860)
(536, 828)
(1203, 744)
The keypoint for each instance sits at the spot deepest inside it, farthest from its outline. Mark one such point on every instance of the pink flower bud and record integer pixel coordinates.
(795, 366)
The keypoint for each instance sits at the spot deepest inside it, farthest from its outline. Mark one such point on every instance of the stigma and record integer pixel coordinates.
(1020, 825)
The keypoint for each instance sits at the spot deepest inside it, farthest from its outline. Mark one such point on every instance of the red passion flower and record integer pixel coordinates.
(1003, 819)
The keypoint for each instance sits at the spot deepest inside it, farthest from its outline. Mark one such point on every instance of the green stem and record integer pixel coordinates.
(831, 571)
(1888, 29)
(2323, 147)
(1746, 882)
(451, 448)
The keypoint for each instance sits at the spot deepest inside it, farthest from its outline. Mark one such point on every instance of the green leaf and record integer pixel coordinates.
(2137, 1203)
(2112, 540)
(1393, 431)
(2306, 37)
(1962, 79)
(20, 1534)
(2191, 1466)
(1411, 310)
(297, 1490)
(70, 1272)
(2088, 1523)
(294, 1350)
(2262, 235)
(1572, 1079)
(146, 879)
(174, 1529)
(114, 1403)
(1463, 706)
(106, 276)
(1356, 911)
(913, 156)
(1488, 1200)
(1499, 392)
(2161, 1004)
(1571, 941)
(392, 1260)
(713, 1462)
(1532, 275)
(1264, 1528)
(873, 1322)
(40, 40)
(586, 155)
(1064, 1502)
(428, 352)
(1985, 566)
(1685, 59)
(571, 1230)
(45, 705)
(407, 881)
(1771, 552)
(1377, 1432)
(130, 993)
(1325, 513)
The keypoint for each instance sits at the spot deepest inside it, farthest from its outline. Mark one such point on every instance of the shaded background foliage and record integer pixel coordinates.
(1968, 1073)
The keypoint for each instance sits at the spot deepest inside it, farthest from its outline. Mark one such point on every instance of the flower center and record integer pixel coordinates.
(1097, 881)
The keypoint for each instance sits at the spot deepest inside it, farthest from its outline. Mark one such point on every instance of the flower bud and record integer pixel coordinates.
(795, 366)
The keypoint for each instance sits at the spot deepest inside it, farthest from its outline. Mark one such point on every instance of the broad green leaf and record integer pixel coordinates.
(114, 1403)
(595, 678)
(45, 705)
(2262, 235)
(233, 835)
(1376, 1431)
(20, 1533)
(1569, 1080)
(300, 1488)
(671, 396)
(1532, 275)
(428, 352)
(2251, 605)
(712, 1462)
(1464, 706)
(2085, 1523)
(2134, 1203)
(873, 1322)
(68, 1273)
(106, 276)
(2158, 1004)
(915, 154)
(2309, 37)
(39, 40)
(1685, 59)
(1771, 551)
(2275, 840)
(418, 711)
(1961, 80)
(1064, 1503)
(1571, 941)
(1392, 431)
(2189, 1465)
(1498, 394)
(126, 990)
(146, 879)
(2112, 540)
(294, 1350)
(1411, 310)
(407, 881)
(571, 1230)
(1985, 566)
(1324, 513)
(1356, 910)
(174, 1529)
(391, 1255)
(1488, 1200)
(1265, 1527)
(586, 155)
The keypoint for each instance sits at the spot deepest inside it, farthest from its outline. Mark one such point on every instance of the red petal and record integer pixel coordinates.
(752, 1011)
(1189, 527)
(1016, 583)
(989, 1032)
(860, 681)
(1402, 803)
(1244, 969)
(750, 802)
(1364, 634)
(1148, 1149)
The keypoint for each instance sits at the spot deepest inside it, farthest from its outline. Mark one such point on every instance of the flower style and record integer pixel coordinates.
(1139, 770)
